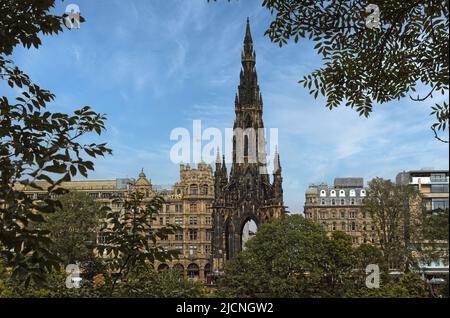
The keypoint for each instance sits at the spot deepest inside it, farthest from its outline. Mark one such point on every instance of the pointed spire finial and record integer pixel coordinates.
(276, 163)
(218, 156)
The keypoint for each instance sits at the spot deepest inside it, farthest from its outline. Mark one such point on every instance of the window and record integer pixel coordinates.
(193, 220)
(334, 226)
(363, 193)
(439, 188)
(353, 226)
(342, 202)
(178, 208)
(333, 202)
(342, 215)
(439, 204)
(192, 250)
(208, 235)
(193, 189)
(323, 193)
(322, 202)
(323, 215)
(161, 221)
(352, 201)
(364, 226)
(354, 240)
(438, 177)
(94, 195)
(205, 189)
(179, 220)
(352, 215)
(352, 193)
(333, 193)
(333, 215)
(207, 220)
(207, 249)
(193, 235)
(343, 226)
(179, 236)
(193, 207)
(341, 193)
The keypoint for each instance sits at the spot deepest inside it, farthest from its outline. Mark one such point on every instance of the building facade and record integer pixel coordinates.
(433, 186)
(340, 208)
(187, 204)
(247, 194)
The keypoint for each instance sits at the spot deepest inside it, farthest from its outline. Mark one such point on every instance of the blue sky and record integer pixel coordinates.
(152, 66)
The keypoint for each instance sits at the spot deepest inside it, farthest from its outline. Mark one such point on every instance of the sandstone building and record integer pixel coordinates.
(187, 204)
(340, 207)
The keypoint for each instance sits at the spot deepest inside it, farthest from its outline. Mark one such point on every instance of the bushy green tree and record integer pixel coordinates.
(73, 228)
(35, 144)
(408, 285)
(145, 282)
(291, 257)
(130, 240)
(397, 213)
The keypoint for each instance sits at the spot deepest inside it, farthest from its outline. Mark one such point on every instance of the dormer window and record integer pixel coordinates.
(363, 193)
(323, 193)
(352, 193)
(333, 193)
(341, 193)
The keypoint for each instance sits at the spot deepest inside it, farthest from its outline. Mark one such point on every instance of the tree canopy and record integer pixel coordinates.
(293, 257)
(404, 48)
(35, 144)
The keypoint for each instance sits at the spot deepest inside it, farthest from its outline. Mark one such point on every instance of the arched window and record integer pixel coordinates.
(323, 193)
(163, 267)
(207, 273)
(205, 189)
(334, 226)
(193, 271)
(363, 193)
(333, 193)
(341, 193)
(353, 226)
(352, 201)
(352, 193)
(333, 202)
(193, 189)
(342, 202)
